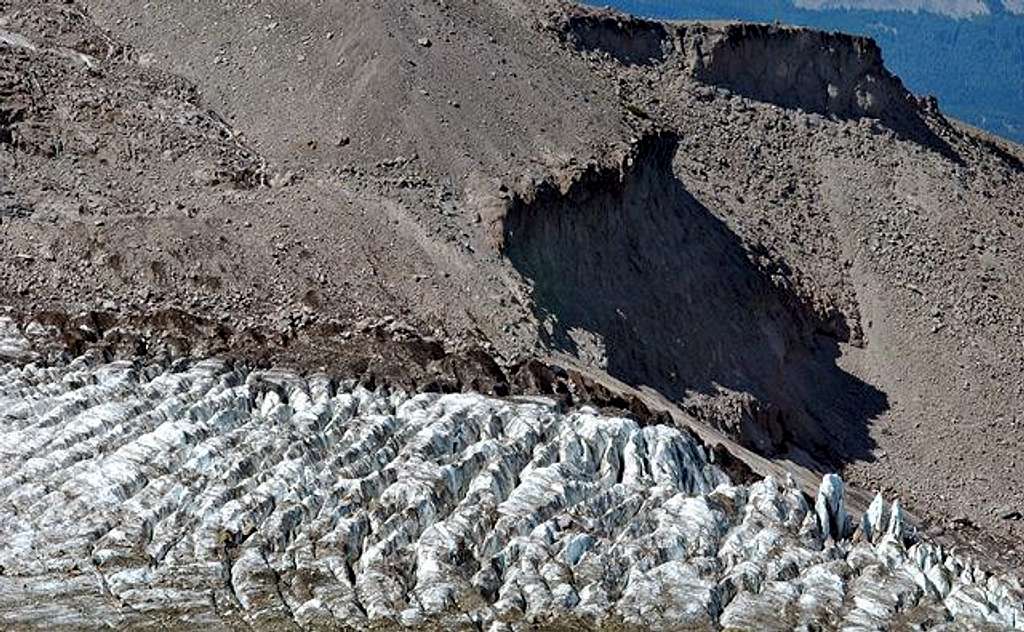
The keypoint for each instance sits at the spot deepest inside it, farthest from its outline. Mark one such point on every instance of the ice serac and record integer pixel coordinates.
(13, 344)
(204, 494)
(830, 508)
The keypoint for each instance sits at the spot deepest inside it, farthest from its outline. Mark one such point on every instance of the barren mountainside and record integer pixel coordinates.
(752, 236)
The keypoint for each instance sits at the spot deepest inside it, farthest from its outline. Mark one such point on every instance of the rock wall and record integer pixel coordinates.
(828, 73)
(629, 40)
(203, 495)
(631, 274)
(833, 74)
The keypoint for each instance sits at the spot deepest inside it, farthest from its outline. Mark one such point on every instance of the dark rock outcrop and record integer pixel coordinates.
(628, 39)
(632, 274)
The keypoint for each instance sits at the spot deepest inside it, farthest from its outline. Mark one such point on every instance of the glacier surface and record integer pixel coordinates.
(204, 494)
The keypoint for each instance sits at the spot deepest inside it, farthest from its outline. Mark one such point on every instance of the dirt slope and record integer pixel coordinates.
(757, 222)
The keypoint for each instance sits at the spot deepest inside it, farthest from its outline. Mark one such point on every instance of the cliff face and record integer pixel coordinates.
(630, 272)
(827, 73)
(833, 74)
(627, 39)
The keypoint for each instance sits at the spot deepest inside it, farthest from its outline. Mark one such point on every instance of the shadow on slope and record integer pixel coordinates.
(628, 264)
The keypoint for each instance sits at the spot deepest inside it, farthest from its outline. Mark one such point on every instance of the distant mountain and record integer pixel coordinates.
(968, 53)
(954, 8)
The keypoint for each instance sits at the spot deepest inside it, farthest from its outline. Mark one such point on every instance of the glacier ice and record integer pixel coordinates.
(203, 493)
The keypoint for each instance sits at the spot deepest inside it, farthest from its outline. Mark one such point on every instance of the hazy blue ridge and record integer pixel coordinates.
(974, 66)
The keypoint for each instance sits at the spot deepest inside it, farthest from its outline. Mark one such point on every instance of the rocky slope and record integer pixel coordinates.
(898, 239)
(968, 53)
(205, 495)
(757, 225)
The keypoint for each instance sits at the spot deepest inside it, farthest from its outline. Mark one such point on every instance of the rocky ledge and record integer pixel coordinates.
(833, 74)
(206, 494)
